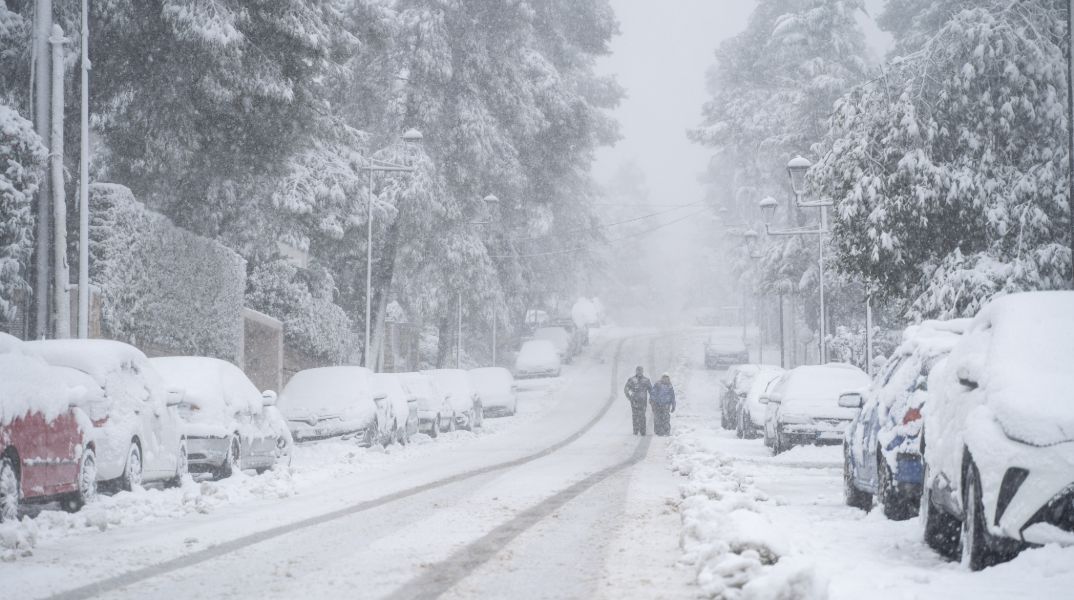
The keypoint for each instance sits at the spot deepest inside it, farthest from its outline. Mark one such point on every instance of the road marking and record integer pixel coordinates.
(123, 580)
(442, 576)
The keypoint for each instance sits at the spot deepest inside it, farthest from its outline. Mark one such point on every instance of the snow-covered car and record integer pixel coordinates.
(135, 425)
(328, 402)
(999, 432)
(497, 390)
(461, 395)
(403, 405)
(882, 449)
(736, 382)
(803, 405)
(432, 406)
(751, 411)
(560, 338)
(45, 454)
(725, 347)
(227, 423)
(537, 358)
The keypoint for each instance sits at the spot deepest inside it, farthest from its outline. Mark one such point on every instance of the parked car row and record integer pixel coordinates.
(970, 423)
(76, 415)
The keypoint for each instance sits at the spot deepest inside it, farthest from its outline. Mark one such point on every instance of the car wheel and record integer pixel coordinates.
(232, 462)
(479, 418)
(182, 467)
(979, 548)
(453, 424)
(851, 495)
(740, 431)
(9, 490)
(896, 506)
(436, 428)
(779, 447)
(132, 471)
(87, 482)
(941, 529)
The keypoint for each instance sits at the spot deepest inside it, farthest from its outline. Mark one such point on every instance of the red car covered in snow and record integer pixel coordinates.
(44, 455)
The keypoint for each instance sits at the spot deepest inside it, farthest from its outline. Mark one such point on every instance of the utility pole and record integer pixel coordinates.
(42, 80)
(458, 339)
(62, 280)
(83, 187)
(1070, 130)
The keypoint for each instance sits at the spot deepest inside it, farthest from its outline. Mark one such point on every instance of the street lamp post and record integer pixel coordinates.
(797, 169)
(411, 139)
(489, 203)
(750, 237)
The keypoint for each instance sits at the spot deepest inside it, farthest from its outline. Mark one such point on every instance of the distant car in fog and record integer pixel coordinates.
(496, 388)
(537, 358)
(560, 338)
(725, 347)
(228, 424)
(803, 405)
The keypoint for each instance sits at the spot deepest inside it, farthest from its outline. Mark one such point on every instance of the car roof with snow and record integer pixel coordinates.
(210, 383)
(97, 358)
(327, 390)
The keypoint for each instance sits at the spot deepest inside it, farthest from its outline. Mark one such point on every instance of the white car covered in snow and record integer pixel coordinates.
(537, 358)
(497, 390)
(560, 338)
(227, 423)
(803, 405)
(335, 402)
(999, 432)
(402, 404)
(432, 406)
(467, 412)
(751, 413)
(136, 428)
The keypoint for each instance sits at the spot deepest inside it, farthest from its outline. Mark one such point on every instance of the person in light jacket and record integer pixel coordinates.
(637, 391)
(663, 400)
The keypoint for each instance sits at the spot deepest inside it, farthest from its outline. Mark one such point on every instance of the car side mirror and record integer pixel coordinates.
(851, 400)
(268, 398)
(767, 398)
(969, 373)
(174, 396)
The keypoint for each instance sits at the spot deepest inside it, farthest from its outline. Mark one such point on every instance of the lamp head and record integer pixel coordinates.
(797, 169)
(768, 208)
(412, 137)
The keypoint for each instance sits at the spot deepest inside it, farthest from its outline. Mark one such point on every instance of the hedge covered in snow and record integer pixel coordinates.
(163, 286)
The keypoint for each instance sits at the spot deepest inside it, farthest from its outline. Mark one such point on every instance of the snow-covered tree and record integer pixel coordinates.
(949, 173)
(21, 157)
(773, 87)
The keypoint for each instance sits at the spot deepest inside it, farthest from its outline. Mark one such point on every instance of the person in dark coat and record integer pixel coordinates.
(662, 398)
(637, 391)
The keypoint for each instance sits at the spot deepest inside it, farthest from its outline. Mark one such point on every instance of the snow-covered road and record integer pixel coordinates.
(542, 505)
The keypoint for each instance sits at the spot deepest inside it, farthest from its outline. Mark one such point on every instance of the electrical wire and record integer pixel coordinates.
(619, 239)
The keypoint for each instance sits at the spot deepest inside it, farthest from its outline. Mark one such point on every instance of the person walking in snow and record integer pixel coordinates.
(637, 391)
(662, 398)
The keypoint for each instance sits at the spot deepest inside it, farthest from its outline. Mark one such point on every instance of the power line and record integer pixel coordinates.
(619, 239)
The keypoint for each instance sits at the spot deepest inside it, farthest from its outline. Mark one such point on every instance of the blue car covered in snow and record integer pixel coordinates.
(882, 449)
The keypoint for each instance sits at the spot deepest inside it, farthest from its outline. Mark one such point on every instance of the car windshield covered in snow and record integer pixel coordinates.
(341, 392)
(815, 390)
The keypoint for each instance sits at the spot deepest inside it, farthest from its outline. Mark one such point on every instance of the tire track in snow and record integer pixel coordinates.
(443, 576)
(129, 578)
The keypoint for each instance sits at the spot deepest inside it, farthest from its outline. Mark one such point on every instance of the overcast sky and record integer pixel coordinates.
(660, 58)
